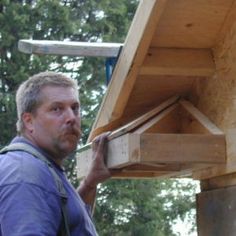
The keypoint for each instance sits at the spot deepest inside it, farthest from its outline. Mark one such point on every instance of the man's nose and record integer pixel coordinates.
(70, 115)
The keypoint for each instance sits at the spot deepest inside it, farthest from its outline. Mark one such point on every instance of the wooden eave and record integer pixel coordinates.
(168, 47)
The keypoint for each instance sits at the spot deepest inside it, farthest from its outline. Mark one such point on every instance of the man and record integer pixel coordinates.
(49, 121)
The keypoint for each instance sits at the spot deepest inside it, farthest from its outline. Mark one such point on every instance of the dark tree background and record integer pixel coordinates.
(124, 207)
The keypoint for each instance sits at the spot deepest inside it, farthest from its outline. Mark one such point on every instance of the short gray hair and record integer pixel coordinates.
(28, 96)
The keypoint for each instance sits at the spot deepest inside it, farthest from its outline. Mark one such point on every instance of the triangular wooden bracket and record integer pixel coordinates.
(171, 140)
(179, 117)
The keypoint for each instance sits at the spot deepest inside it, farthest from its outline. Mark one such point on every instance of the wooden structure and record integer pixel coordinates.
(183, 48)
(177, 48)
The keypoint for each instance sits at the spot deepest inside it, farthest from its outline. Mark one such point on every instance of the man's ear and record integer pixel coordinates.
(27, 119)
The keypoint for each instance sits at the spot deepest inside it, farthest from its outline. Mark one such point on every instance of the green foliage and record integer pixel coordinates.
(19, 20)
(142, 207)
(58, 20)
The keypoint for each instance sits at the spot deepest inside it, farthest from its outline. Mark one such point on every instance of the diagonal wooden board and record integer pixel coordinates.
(206, 125)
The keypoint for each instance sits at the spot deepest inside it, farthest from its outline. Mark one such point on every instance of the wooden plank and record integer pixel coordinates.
(69, 48)
(145, 170)
(185, 62)
(182, 148)
(202, 120)
(164, 122)
(126, 174)
(132, 56)
(172, 170)
(191, 23)
(189, 124)
(216, 212)
(149, 166)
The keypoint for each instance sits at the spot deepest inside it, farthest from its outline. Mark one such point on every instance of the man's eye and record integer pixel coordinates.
(56, 109)
(75, 109)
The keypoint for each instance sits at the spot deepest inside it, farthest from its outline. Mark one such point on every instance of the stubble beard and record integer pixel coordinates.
(65, 145)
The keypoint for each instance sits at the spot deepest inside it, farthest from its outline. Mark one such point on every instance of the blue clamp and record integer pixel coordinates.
(110, 66)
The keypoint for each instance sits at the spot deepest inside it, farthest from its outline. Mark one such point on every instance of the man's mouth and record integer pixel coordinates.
(73, 132)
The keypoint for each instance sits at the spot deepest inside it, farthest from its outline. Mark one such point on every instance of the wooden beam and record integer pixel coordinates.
(202, 124)
(132, 56)
(182, 148)
(126, 174)
(151, 166)
(216, 212)
(68, 48)
(184, 62)
(145, 170)
(172, 170)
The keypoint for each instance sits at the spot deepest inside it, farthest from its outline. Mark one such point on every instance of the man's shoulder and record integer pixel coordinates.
(20, 166)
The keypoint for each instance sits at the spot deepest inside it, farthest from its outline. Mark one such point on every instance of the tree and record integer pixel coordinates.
(143, 207)
(131, 207)
(18, 20)
(75, 20)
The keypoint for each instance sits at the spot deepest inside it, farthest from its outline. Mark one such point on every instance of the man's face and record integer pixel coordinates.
(56, 122)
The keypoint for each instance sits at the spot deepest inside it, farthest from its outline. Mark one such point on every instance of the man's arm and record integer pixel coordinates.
(98, 172)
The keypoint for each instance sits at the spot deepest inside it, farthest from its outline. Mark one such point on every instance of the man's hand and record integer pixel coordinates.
(98, 171)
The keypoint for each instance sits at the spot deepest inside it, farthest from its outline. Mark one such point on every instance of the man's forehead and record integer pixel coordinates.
(59, 93)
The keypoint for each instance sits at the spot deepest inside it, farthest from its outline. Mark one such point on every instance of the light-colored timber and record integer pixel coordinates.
(69, 48)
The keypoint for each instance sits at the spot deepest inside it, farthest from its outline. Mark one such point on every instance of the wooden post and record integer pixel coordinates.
(216, 207)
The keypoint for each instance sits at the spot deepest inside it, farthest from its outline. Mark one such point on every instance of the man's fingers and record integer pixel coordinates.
(95, 143)
(98, 170)
(99, 143)
(100, 140)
